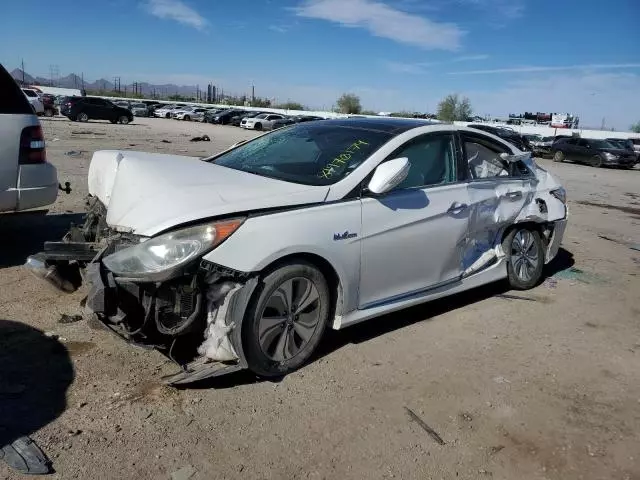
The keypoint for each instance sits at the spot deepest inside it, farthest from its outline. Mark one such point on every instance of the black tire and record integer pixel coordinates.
(82, 117)
(259, 360)
(515, 261)
(48, 113)
(168, 115)
(558, 156)
(187, 118)
(258, 126)
(596, 161)
(123, 119)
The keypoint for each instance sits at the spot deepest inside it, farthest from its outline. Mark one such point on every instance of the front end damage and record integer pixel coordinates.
(194, 318)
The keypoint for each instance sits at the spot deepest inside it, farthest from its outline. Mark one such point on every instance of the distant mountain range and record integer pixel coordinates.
(74, 81)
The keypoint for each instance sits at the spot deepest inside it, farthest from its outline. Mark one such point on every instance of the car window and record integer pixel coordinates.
(583, 143)
(431, 158)
(307, 153)
(30, 93)
(484, 162)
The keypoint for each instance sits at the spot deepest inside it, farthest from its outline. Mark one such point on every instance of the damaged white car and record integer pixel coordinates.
(241, 260)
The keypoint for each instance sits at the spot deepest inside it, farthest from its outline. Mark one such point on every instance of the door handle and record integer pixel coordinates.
(457, 207)
(514, 195)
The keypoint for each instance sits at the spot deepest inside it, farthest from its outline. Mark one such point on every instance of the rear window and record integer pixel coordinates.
(13, 101)
(30, 93)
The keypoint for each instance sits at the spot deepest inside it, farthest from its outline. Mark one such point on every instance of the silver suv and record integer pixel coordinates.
(27, 180)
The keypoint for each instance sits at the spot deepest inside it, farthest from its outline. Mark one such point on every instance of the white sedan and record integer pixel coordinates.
(258, 249)
(264, 121)
(189, 113)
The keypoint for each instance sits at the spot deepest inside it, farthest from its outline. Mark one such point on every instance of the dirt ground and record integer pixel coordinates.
(543, 384)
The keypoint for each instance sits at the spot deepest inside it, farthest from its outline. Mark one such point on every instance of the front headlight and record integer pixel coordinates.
(610, 156)
(159, 258)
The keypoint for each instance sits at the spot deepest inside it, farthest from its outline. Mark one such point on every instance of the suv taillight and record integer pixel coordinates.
(32, 146)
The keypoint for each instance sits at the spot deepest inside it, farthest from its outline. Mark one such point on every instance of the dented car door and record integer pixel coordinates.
(412, 235)
(498, 191)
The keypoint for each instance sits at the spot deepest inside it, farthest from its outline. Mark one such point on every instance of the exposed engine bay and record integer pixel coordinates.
(189, 318)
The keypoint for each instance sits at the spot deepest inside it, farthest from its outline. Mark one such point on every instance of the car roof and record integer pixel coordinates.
(393, 126)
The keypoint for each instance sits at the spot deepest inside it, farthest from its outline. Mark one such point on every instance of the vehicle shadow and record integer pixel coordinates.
(24, 233)
(336, 339)
(35, 373)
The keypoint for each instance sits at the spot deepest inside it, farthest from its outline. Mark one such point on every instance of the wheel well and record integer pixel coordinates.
(538, 227)
(330, 275)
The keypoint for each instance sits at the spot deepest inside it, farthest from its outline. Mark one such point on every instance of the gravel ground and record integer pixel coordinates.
(543, 384)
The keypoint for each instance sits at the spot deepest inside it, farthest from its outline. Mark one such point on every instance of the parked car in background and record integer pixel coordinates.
(594, 152)
(34, 100)
(140, 109)
(264, 121)
(50, 107)
(189, 113)
(212, 113)
(224, 117)
(27, 180)
(542, 147)
(520, 141)
(123, 104)
(319, 225)
(283, 122)
(83, 109)
(626, 144)
(306, 118)
(164, 111)
(237, 119)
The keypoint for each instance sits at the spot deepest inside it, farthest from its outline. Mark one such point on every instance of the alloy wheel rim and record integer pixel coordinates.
(289, 319)
(524, 255)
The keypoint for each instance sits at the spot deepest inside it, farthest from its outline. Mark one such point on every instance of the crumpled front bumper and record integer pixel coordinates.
(109, 298)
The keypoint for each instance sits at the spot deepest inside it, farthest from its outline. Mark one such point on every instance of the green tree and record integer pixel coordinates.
(349, 103)
(453, 107)
(635, 128)
(291, 106)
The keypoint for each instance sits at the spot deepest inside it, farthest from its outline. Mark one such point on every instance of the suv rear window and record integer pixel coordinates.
(13, 100)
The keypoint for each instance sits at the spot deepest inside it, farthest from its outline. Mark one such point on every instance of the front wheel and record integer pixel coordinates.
(123, 119)
(558, 156)
(596, 161)
(525, 258)
(82, 117)
(186, 118)
(258, 126)
(285, 319)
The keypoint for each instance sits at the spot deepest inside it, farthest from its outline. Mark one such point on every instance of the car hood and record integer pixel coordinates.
(148, 193)
(617, 151)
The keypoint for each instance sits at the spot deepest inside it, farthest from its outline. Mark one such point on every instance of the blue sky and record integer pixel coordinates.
(578, 56)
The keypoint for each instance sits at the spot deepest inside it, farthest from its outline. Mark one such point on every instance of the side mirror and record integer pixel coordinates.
(389, 175)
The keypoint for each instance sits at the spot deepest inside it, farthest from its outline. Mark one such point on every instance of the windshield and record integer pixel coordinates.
(308, 153)
(139, 105)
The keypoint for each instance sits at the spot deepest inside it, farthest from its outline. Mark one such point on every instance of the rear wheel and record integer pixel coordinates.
(525, 257)
(596, 161)
(558, 156)
(123, 119)
(48, 112)
(82, 117)
(285, 319)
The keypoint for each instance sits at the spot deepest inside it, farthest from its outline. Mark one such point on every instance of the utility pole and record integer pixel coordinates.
(602, 125)
(253, 93)
(22, 64)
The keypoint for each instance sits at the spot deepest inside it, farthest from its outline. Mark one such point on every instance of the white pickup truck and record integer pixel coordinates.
(27, 180)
